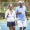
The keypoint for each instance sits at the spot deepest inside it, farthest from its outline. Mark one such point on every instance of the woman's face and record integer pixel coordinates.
(10, 7)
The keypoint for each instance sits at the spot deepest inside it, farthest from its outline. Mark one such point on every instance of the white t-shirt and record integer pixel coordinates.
(10, 16)
(22, 16)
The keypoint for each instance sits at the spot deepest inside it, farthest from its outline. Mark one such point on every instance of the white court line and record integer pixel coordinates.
(0, 28)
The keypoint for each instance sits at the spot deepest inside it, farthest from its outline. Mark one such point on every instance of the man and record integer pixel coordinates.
(10, 16)
(21, 15)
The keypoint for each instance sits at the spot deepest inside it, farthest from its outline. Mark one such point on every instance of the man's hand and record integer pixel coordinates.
(19, 13)
(27, 15)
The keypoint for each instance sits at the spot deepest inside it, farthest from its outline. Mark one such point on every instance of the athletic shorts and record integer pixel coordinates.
(10, 24)
(21, 23)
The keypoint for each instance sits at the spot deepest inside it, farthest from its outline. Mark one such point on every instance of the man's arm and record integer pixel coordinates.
(18, 13)
(27, 15)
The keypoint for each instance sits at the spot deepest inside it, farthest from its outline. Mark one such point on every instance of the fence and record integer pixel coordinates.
(4, 7)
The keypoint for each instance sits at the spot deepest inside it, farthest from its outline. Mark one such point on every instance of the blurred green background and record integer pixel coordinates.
(4, 6)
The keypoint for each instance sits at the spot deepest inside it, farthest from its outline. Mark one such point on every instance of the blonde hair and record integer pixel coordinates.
(10, 5)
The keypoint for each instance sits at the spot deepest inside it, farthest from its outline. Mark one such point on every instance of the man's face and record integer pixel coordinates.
(20, 4)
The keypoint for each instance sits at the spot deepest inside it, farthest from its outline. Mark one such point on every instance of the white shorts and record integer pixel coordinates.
(21, 23)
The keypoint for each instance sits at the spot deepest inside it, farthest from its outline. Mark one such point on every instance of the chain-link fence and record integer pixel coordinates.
(4, 7)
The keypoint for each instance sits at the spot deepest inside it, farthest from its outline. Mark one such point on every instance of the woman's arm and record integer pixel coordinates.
(6, 14)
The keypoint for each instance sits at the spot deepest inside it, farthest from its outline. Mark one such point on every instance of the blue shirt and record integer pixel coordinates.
(22, 10)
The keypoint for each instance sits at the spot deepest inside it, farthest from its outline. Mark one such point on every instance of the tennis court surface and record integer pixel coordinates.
(3, 25)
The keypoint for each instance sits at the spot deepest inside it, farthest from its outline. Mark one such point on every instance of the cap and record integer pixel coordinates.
(20, 1)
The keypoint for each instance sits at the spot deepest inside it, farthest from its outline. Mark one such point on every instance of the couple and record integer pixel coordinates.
(19, 14)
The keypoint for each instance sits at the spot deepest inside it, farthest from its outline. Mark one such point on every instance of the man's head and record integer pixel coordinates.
(10, 6)
(20, 3)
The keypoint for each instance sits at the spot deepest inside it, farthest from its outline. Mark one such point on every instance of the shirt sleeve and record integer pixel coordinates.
(6, 13)
(14, 14)
(25, 8)
(25, 11)
(16, 9)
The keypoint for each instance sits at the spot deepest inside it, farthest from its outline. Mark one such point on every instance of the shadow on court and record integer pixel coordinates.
(4, 26)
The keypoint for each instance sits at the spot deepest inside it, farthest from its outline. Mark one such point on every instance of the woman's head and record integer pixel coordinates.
(10, 6)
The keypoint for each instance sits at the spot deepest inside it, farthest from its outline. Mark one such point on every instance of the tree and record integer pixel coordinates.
(9, 0)
(27, 1)
(3, 0)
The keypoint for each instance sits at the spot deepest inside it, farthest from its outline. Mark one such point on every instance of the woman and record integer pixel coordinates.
(10, 16)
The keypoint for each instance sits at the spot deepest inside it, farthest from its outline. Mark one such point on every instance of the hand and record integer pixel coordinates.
(16, 21)
(20, 12)
(27, 19)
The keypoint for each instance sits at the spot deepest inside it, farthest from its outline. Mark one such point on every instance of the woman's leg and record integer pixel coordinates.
(13, 25)
(10, 28)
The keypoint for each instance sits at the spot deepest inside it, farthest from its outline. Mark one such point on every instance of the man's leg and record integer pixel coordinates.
(24, 28)
(24, 25)
(20, 24)
(20, 28)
